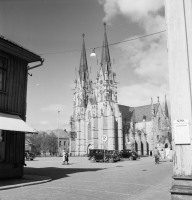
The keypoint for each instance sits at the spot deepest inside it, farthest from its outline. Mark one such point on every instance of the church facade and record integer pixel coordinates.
(97, 112)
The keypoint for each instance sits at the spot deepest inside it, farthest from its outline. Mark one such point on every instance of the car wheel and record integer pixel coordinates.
(92, 159)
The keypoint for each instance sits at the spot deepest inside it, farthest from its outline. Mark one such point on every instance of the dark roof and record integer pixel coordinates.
(18, 51)
(62, 133)
(143, 112)
(137, 114)
(127, 112)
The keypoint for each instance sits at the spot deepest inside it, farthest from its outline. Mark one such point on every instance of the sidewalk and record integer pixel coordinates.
(26, 180)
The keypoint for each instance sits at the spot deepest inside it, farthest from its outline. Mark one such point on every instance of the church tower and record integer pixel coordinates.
(106, 95)
(83, 89)
(96, 111)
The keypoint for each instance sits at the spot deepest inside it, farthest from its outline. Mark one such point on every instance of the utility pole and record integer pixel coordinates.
(179, 43)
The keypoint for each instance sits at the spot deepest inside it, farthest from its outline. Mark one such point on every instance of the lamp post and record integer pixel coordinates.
(58, 132)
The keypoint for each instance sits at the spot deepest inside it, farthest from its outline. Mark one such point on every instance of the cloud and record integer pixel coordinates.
(44, 123)
(54, 108)
(147, 58)
(143, 12)
(138, 95)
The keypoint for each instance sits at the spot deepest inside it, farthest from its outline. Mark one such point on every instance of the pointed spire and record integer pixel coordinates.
(105, 56)
(166, 108)
(152, 108)
(83, 68)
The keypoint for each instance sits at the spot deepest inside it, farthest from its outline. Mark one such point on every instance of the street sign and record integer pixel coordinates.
(104, 138)
(181, 129)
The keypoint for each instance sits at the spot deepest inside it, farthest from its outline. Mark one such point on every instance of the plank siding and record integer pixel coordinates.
(13, 100)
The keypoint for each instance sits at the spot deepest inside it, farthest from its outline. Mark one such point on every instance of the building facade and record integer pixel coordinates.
(97, 112)
(14, 61)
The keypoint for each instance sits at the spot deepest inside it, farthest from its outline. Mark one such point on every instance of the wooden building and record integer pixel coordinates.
(14, 68)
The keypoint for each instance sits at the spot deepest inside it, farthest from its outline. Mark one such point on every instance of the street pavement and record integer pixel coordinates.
(83, 180)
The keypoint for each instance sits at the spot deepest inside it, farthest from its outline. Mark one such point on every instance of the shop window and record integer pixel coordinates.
(3, 74)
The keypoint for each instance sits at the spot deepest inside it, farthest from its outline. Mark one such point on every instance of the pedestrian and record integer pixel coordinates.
(156, 155)
(67, 157)
(64, 153)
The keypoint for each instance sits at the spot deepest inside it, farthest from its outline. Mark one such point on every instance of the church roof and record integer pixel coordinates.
(126, 111)
(143, 112)
(62, 133)
(105, 56)
(137, 114)
(83, 67)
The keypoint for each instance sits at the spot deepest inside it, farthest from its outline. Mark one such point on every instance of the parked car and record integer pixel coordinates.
(112, 156)
(127, 153)
(96, 155)
(29, 155)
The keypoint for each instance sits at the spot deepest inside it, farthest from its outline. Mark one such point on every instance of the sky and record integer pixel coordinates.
(49, 28)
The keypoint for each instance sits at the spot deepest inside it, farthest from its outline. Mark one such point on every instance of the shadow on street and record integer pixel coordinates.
(56, 173)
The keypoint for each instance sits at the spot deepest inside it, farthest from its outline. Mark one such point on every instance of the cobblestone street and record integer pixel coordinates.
(81, 179)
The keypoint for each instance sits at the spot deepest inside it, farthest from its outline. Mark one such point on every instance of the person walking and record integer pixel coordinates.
(67, 157)
(156, 155)
(64, 154)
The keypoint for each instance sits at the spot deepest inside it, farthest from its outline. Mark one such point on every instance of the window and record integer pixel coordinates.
(3, 73)
(64, 143)
(2, 146)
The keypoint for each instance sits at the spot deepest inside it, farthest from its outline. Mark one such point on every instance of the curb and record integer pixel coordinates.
(30, 178)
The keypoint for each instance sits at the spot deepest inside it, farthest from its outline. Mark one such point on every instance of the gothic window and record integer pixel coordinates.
(159, 123)
(89, 116)
(158, 138)
(101, 111)
(3, 73)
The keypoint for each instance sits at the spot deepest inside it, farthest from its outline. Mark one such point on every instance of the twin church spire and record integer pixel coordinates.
(105, 59)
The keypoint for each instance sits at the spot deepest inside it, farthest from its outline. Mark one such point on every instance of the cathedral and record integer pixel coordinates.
(96, 112)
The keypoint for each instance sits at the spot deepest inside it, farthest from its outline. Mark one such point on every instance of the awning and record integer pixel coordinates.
(14, 123)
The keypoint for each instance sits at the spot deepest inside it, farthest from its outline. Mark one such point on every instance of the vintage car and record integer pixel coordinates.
(112, 156)
(96, 155)
(29, 155)
(128, 153)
